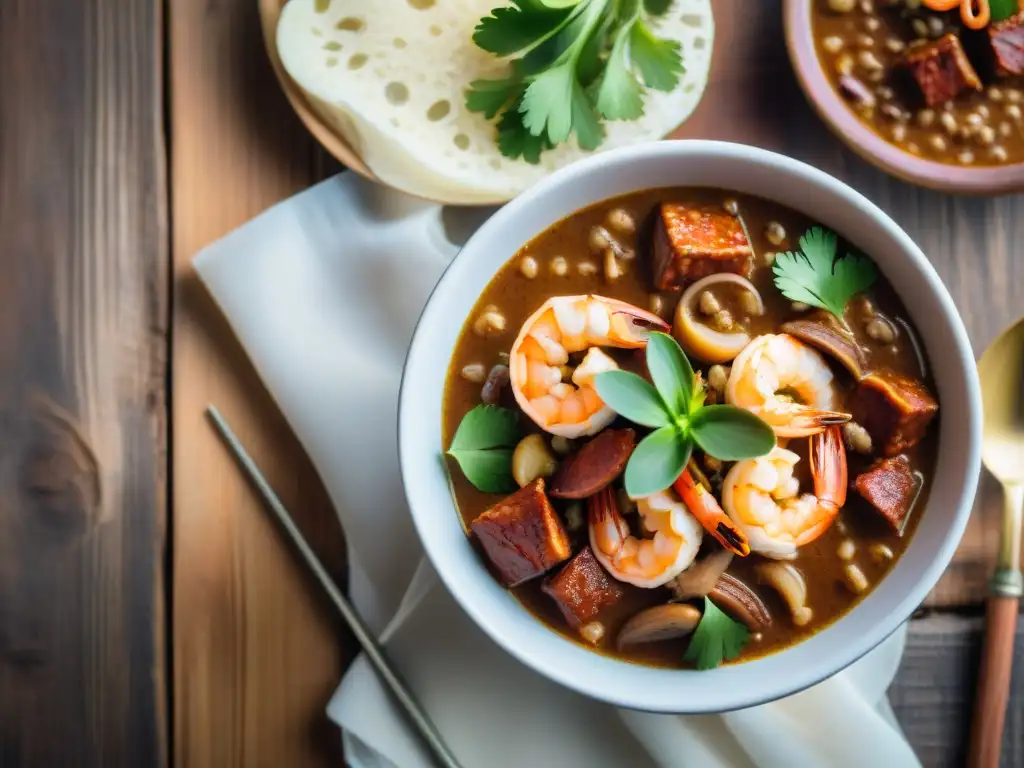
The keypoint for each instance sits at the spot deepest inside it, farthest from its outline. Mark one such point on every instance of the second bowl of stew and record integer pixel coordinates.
(689, 427)
(930, 90)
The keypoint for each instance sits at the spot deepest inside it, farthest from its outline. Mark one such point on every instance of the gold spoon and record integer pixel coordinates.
(1001, 370)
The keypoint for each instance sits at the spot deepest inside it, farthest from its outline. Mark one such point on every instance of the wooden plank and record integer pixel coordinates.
(257, 651)
(82, 375)
(933, 693)
(753, 97)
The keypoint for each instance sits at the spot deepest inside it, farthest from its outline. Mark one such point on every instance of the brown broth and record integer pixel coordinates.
(982, 127)
(517, 297)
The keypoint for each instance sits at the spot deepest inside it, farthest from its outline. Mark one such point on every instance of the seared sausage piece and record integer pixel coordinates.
(522, 535)
(889, 486)
(691, 242)
(1006, 40)
(582, 588)
(941, 70)
(895, 410)
(594, 466)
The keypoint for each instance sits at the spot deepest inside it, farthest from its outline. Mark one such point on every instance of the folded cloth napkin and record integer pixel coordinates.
(323, 290)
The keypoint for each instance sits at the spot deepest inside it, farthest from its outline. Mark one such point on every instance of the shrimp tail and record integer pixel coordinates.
(630, 326)
(706, 509)
(828, 468)
(603, 511)
(811, 422)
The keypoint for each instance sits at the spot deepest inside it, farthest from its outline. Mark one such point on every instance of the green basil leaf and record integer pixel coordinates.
(489, 471)
(483, 446)
(730, 433)
(670, 371)
(657, 461)
(631, 396)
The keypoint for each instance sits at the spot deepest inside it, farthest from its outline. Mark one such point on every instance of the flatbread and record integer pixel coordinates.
(390, 76)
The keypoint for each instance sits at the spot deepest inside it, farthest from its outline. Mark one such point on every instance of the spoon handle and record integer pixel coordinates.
(1000, 633)
(993, 682)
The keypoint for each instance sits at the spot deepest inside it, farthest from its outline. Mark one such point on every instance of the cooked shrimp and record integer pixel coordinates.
(563, 325)
(763, 498)
(648, 562)
(692, 488)
(785, 382)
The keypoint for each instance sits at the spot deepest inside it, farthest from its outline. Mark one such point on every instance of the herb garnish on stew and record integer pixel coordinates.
(674, 407)
(717, 638)
(483, 446)
(816, 277)
(579, 62)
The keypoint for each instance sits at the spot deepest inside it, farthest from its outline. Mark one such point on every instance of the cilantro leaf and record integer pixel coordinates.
(717, 638)
(585, 122)
(619, 94)
(658, 60)
(491, 96)
(813, 275)
(513, 28)
(483, 446)
(580, 62)
(657, 7)
(515, 141)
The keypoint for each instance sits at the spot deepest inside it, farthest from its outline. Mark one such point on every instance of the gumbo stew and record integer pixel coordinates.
(942, 79)
(686, 426)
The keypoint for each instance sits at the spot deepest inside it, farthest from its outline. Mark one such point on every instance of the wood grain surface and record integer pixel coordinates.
(934, 691)
(995, 670)
(83, 313)
(89, 288)
(257, 653)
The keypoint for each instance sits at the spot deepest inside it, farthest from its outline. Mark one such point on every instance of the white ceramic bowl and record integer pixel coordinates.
(732, 167)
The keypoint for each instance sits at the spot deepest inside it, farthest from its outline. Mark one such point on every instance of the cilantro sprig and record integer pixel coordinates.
(483, 445)
(577, 63)
(815, 276)
(674, 408)
(717, 638)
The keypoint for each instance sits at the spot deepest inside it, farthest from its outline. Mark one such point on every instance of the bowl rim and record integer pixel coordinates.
(834, 112)
(549, 661)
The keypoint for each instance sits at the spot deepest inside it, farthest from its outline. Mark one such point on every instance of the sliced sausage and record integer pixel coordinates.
(522, 535)
(594, 466)
(582, 589)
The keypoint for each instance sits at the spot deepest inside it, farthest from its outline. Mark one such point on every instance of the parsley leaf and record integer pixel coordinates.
(580, 62)
(658, 60)
(483, 446)
(619, 95)
(717, 638)
(511, 29)
(815, 276)
(657, 7)
(491, 96)
(515, 141)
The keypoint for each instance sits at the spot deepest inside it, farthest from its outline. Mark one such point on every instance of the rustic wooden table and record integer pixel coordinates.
(149, 612)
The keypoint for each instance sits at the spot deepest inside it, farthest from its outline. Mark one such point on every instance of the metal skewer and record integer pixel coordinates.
(427, 731)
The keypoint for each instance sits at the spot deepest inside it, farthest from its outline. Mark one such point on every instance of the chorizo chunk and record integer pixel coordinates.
(594, 466)
(582, 588)
(691, 242)
(895, 410)
(941, 69)
(522, 535)
(889, 486)
(1006, 40)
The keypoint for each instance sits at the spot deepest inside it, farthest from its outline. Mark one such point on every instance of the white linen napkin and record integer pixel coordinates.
(323, 291)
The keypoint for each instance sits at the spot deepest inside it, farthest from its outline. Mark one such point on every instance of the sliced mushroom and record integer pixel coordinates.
(790, 584)
(662, 622)
(701, 577)
(736, 598)
(822, 330)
